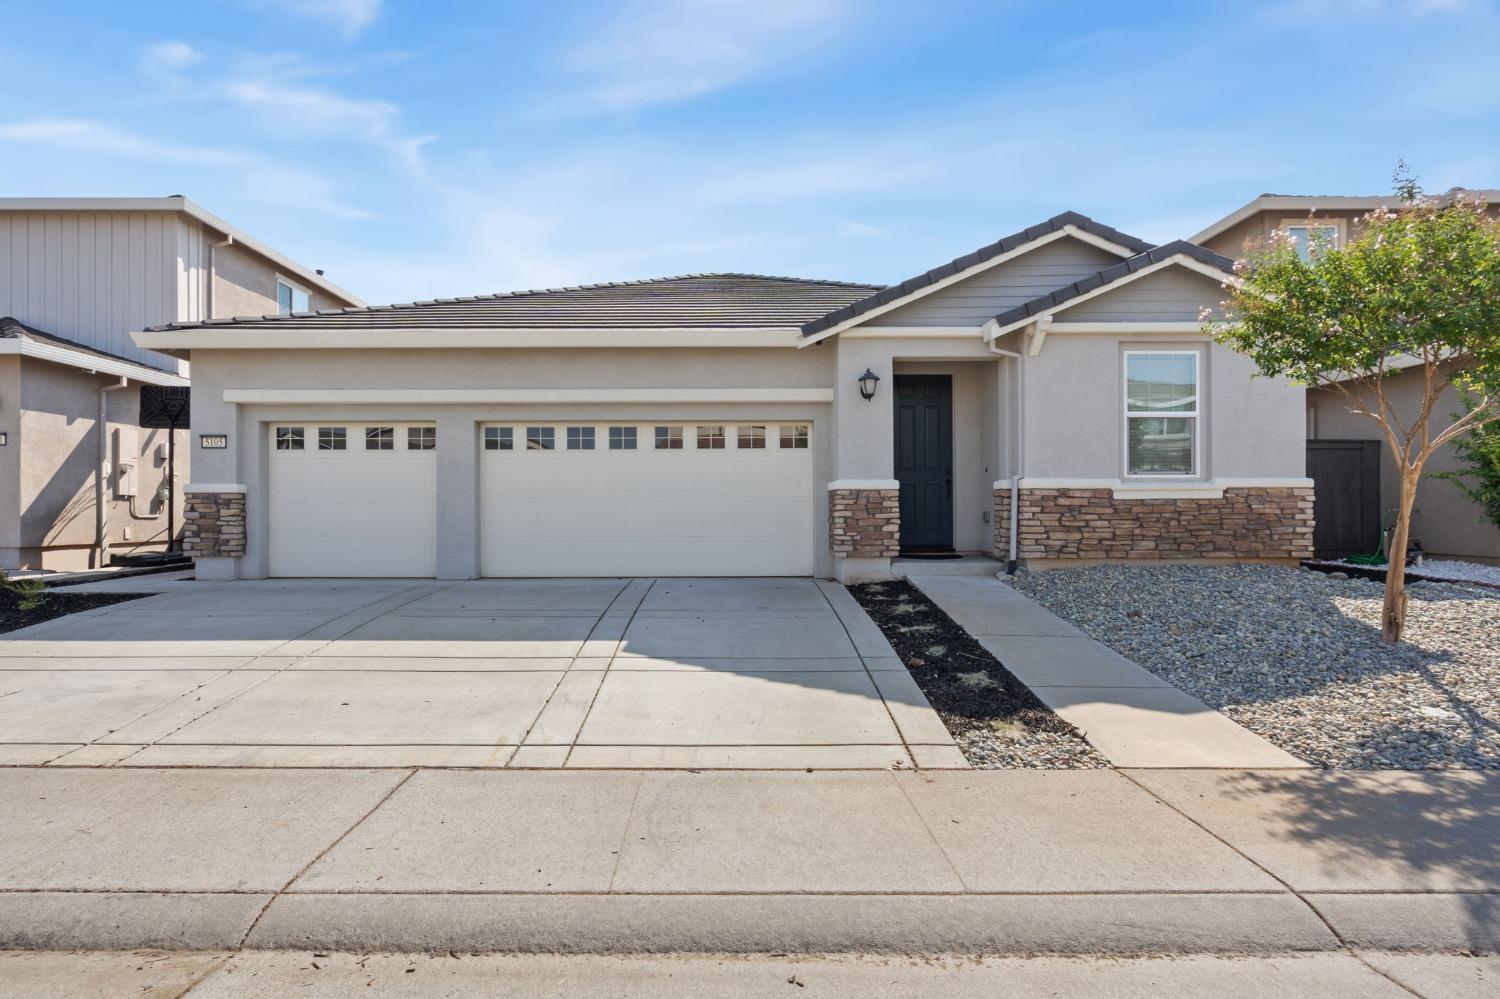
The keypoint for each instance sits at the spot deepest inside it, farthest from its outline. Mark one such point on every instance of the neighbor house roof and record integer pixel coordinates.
(952, 268)
(18, 338)
(1302, 204)
(178, 203)
(728, 301)
(1125, 270)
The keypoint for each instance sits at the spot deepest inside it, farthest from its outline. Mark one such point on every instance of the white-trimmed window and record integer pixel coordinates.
(751, 438)
(669, 438)
(580, 438)
(421, 438)
(1314, 235)
(541, 438)
(622, 438)
(795, 436)
(1161, 412)
(291, 297)
(289, 438)
(499, 438)
(711, 437)
(333, 438)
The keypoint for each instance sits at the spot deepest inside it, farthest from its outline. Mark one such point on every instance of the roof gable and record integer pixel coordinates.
(970, 263)
(1179, 253)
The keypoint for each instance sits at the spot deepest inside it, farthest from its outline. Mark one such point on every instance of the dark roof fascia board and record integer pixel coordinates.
(897, 293)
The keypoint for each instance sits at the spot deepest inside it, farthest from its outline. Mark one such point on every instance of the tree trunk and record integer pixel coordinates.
(1393, 616)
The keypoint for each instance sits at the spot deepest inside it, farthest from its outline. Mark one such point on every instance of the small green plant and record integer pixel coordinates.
(30, 593)
(1479, 450)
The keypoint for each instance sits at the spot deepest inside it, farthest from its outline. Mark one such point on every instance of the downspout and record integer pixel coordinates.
(101, 473)
(1019, 366)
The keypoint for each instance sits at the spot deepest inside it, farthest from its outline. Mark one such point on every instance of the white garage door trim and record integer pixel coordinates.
(704, 505)
(352, 499)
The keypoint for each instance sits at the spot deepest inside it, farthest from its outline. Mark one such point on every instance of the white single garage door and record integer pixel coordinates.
(635, 499)
(353, 499)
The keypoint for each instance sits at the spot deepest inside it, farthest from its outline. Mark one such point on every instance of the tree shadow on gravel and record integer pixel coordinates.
(1391, 832)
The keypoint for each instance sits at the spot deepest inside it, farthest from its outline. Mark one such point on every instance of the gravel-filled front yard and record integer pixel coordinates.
(1296, 656)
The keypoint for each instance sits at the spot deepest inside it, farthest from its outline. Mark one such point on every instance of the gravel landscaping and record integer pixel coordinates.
(1296, 656)
(55, 604)
(994, 718)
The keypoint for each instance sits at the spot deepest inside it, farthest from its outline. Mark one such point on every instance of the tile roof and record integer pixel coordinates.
(690, 300)
(12, 328)
(963, 263)
(1110, 275)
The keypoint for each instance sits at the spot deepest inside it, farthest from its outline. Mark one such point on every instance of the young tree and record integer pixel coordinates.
(1417, 286)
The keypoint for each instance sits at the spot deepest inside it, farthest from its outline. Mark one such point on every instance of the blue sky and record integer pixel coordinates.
(428, 149)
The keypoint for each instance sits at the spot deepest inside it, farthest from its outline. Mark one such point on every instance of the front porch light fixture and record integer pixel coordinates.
(867, 383)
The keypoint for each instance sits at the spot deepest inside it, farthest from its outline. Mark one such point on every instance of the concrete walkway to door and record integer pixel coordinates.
(674, 673)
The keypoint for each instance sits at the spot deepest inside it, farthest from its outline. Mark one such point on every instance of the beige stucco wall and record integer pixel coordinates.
(245, 285)
(10, 461)
(56, 449)
(1444, 520)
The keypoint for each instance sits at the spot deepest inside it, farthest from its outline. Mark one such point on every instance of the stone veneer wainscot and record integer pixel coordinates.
(1259, 523)
(214, 525)
(864, 523)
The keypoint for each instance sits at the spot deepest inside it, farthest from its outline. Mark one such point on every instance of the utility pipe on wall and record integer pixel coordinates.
(1018, 363)
(102, 472)
(208, 299)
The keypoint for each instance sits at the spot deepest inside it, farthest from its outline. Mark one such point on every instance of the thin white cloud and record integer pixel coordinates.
(348, 16)
(320, 112)
(256, 175)
(166, 61)
(663, 51)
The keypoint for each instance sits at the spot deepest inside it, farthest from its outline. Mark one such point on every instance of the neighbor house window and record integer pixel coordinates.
(669, 438)
(794, 435)
(752, 438)
(421, 438)
(499, 438)
(711, 437)
(332, 438)
(622, 438)
(1313, 237)
(290, 298)
(380, 438)
(1161, 412)
(289, 438)
(580, 438)
(540, 438)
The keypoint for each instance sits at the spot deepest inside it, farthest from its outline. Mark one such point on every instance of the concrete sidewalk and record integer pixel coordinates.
(998, 862)
(1132, 716)
(31, 975)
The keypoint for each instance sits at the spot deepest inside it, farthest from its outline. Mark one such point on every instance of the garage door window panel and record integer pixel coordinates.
(499, 439)
(541, 438)
(669, 438)
(795, 436)
(421, 438)
(622, 438)
(333, 438)
(290, 438)
(580, 438)
(380, 438)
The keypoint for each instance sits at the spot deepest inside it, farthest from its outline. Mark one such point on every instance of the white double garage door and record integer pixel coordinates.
(554, 499)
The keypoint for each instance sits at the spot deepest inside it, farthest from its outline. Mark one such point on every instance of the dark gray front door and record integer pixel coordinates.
(924, 460)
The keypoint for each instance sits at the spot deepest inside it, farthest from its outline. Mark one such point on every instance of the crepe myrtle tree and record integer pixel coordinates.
(1414, 287)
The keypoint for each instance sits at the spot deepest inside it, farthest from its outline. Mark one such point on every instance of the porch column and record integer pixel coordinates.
(864, 508)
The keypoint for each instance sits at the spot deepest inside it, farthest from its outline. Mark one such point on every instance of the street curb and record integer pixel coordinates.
(901, 924)
(66, 920)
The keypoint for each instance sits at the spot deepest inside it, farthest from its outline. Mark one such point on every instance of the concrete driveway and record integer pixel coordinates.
(691, 673)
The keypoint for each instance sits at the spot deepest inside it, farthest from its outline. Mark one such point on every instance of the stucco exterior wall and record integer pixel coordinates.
(10, 461)
(1232, 241)
(57, 452)
(1444, 520)
(1075, 403)
(244, 283)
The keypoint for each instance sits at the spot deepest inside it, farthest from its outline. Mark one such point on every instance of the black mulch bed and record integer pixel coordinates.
(995, 719)
(55, 603)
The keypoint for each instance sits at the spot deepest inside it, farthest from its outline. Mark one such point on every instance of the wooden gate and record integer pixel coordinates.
(1346, 508)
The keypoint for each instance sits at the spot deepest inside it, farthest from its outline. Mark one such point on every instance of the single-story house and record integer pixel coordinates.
(1049, 398)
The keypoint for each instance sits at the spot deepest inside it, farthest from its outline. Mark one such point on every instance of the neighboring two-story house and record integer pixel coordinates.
(1358, 482)
(80, 478)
